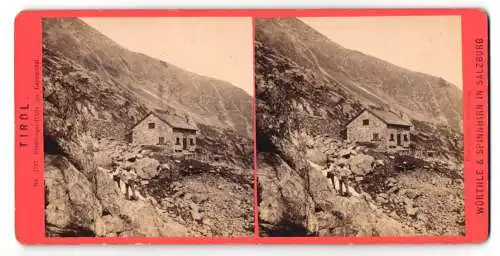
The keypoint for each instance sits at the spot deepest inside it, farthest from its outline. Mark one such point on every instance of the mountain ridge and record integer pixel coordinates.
(393, 86)
(157, 83)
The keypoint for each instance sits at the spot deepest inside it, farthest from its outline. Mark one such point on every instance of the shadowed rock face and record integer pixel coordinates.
(307, 89)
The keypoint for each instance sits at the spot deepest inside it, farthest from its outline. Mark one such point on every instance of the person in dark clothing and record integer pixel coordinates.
(116, 174)
(332, 172)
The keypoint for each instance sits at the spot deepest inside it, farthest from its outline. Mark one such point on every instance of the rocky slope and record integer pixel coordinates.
(307, 89)
(87, 114)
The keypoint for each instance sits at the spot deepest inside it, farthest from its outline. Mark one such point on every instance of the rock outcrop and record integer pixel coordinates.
(76, 206)
(289, 200)
(71, 205)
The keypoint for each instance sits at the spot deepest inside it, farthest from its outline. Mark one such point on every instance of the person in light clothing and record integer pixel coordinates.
(129, 177)
(344, 173)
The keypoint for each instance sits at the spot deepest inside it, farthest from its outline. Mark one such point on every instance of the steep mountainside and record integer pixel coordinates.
(372, 81)
(307, 89)
(156, 83)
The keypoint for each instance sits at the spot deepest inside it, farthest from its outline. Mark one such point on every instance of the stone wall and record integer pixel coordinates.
(357, 132)
(143, 135)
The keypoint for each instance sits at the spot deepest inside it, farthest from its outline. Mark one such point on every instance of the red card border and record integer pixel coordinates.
(29, 198)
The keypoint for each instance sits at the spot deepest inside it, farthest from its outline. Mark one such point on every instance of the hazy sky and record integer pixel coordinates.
(428, 44)
(216, 47)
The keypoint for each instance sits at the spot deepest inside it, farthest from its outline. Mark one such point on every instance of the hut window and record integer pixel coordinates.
(151, 125)
(177, 141)
(375, 136)
(366, 122)
(405, 137)
(191, 141)
(392, 137)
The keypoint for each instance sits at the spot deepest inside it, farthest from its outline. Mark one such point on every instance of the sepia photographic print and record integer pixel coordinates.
(148, 127)
(359, 126)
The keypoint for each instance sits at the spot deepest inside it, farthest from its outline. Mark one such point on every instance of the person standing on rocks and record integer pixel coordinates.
(333, 172)
(344, 172)
(116, 174)
(129, 177)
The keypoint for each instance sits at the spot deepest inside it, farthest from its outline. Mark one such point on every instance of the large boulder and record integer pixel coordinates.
(108, 192)
(147, 168)
(316, 155)
(282, 192)
(71, 205)
(361, 164)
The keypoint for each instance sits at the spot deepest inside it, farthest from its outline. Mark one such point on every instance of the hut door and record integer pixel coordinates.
(398, 138)
(184, 143)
